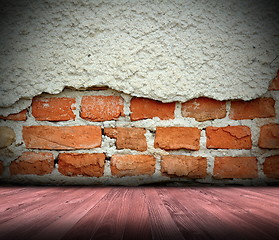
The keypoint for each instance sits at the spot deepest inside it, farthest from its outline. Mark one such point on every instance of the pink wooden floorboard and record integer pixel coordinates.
(139, 213)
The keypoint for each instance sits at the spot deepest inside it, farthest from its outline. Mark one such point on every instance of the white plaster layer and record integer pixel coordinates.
(165, 50)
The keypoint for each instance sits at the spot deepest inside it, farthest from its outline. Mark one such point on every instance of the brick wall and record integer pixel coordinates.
(107, 137)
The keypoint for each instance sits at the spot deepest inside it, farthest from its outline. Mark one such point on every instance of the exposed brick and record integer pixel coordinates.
(235, 167)
(86, 164)
(172, 138)
(21, 116)
(1, 167)
(7, 137)
(53, 109)
(271, 166)
(186, 166)
(111, 132)
(101, 108)
(33, 163)
(257, 108)
(275, 83)
(203, 109)
(128, 138)
(231, 137)
(132, 165)
(269, 136)
(143, 108)
(63, 138)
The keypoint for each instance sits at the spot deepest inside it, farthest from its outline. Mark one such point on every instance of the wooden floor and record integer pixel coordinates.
(139, 213)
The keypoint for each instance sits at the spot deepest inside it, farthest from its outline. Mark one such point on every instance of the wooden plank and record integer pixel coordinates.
(271, 191)
(58, 228)
(258, 196)
(263, 210)
(11, 190)
(17, 207)
(86, 227)
(30, 221)
(20, 193)
(126, 217)
(213, 226)
(249, 225)
(161, 222)
(182, 215)
(137, 223)
(113, 223)
(139, 213)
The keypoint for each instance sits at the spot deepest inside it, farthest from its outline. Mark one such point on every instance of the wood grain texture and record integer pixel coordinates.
(161, 222)
(58, 228)
(137, 223)
(139, 213)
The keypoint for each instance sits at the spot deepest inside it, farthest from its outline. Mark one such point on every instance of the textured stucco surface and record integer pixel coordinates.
(165, 50)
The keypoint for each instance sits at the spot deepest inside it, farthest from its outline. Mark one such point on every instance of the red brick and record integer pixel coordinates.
(203, 109)
(172, 138)
(128, 138)
(132, 165)
(86, 164)
(40, 163)
(101, 108)
(186, 166)
(271, 166)
(1, 167)
(275, 83)
(231, 137)
(258, 108)
(21, 116)
(63, 138)
(53, 109)
(111, 132)
(269, 136)
(143, 108)
(235, 167)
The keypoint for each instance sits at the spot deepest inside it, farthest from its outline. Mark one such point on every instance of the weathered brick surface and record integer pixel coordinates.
(53, 109)
(186, 166)
(171, 138)
(21, 116)
(275, 83)
(269, 136)
(231, 137)
(235, 167)
(33, 163)
(63, 138)
(271, 166)
(132, 165)
(1, 168)
(101, 108)
(203, 109)
(257, 108)
(128, 138)
(143, 108)
(7, 137)
(86, 164)
(111, 132)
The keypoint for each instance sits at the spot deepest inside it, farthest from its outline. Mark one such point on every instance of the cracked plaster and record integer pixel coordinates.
(164, 50)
